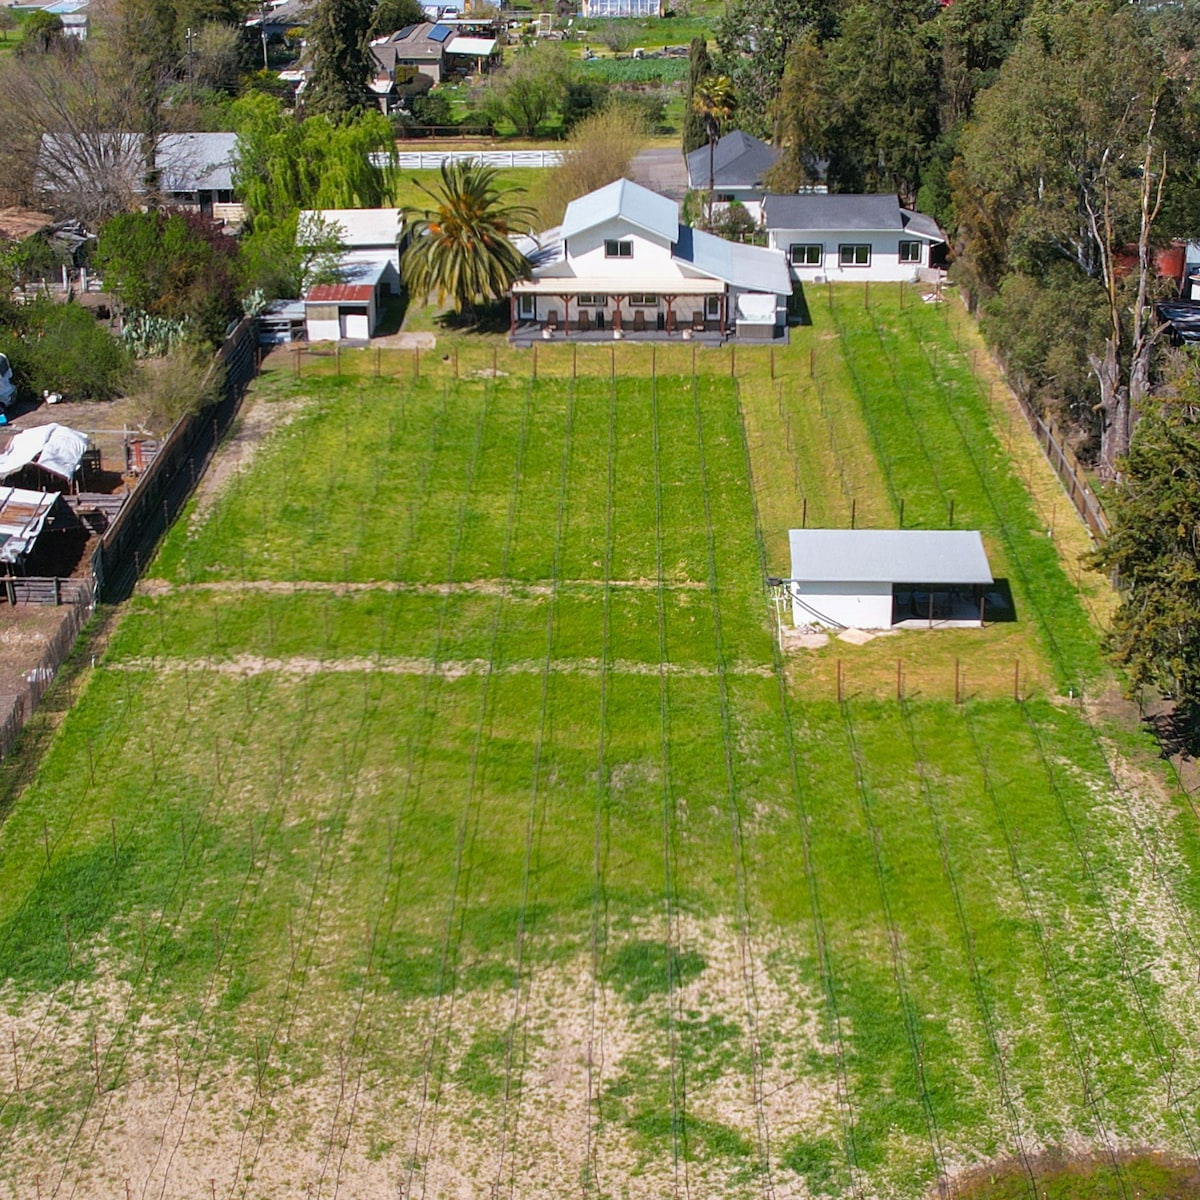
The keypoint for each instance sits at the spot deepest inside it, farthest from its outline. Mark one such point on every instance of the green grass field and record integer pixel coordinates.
(442, 817)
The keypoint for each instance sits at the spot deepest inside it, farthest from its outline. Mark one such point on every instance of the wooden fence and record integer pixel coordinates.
(170, 476)
(80, 596)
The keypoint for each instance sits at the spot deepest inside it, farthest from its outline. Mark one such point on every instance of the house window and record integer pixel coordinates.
(643, 300)
(910, 252)
(528, 307)
(806, 254)
(724, 197)
(589, 300)
(712, 307)
(615, 249)
(855, 255)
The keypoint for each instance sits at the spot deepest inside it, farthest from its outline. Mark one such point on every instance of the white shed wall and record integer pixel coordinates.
(323, 331)
(859, 605)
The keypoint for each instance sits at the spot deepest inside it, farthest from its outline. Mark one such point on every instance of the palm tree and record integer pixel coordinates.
(460, 240)
(714, 99)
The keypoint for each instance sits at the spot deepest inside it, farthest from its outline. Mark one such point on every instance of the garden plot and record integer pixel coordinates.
(443, 820)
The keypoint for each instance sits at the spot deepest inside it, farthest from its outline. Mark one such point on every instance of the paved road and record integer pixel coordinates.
(661, 170)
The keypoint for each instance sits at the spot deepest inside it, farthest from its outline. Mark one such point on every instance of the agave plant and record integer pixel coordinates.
(460, 241)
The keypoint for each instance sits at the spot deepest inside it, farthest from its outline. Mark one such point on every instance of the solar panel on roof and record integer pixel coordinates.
(439, 33)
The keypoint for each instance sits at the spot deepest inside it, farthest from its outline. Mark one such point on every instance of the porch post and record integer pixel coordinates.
(617, 314)
(724, 307)
(670, 314)
(566, 313)
(512, 313)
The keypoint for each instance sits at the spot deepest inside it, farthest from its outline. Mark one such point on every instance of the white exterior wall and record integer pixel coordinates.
(323, 331)
(856, 605)
(651, 256)
(885, 266)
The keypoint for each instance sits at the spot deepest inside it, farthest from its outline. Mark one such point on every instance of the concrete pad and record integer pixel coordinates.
(856, 637)
(808, 641)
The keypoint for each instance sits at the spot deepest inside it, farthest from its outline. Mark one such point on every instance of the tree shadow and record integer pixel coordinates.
(487, 318)
(1177, 728)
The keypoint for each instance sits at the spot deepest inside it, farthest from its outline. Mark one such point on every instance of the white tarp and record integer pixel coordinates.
(22, 517)
(54, 448)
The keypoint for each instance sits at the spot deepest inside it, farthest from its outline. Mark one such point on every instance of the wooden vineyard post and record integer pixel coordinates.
(378, 353)
(455, 362)
(772, 364)
(612, 362)
(950, 522)
(1017, 680)
(693, 362)
(337, 358)
(804, 514)
(812, 362)
(957, 684)
(535, 360)
(574, 360)
(901, 512)
(732, 361)
(653, 361)
(899, 679)
(853, 511)
(839, 680)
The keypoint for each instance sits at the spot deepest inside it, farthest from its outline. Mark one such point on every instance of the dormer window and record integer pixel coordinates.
(615, 249)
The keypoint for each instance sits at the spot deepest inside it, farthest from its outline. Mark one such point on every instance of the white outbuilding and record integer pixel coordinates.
(884, 578)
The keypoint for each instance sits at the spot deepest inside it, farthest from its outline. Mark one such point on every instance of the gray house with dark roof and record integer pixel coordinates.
(739, 165)
(851, 237)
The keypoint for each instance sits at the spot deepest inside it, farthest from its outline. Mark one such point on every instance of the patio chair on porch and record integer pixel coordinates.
(698, 321)
(585, 323)
(639, 321)
(552, 319)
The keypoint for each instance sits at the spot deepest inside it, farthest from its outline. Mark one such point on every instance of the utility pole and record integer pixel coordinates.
(191, 92)
(262, 12)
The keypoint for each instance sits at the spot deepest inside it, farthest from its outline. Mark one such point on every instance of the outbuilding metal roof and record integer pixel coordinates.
(371, 228)
(753, 267)
(340, 293)
(479, 47)
(625, 199)
(949, 556)
(738, 161)
(23, 515)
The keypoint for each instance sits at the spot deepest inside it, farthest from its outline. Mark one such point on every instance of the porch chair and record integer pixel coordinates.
(552, 319)
(698, 321)
(585, 322)
(639, 321)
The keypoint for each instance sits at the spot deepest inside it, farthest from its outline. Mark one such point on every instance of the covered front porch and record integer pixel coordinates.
(595, 311)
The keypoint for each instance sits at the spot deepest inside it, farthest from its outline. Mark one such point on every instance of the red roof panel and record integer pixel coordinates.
(357, 292)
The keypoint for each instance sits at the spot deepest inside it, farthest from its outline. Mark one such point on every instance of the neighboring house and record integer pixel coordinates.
(881, 578)
(739, 164)
(195, 170)
(623, 266)
(368, 272)
(435, 49)
(274, 18)
(418, 47)
(851, 237)
(620, 8)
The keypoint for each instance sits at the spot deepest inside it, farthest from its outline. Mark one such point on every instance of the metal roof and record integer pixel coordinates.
(753, 267)
(325, 293)
(481, 47)
(192, 162)
(1184, 318)
(738, 160)
(948, 556)
(834, 213)
(921, 225)
(627, 201)
(23, 515)
(372, 228)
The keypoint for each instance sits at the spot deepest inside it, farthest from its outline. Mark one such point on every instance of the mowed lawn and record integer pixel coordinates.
(442, 818)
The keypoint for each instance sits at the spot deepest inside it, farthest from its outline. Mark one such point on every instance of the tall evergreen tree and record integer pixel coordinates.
(342, 63)
(699, 66)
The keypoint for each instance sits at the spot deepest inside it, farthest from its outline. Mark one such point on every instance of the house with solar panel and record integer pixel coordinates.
(433, 49)
(622, 265)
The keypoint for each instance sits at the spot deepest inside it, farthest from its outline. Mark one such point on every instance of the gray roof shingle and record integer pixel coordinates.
(738, 160)
(948, 556)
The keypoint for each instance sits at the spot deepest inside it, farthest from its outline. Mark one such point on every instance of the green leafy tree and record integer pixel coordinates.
(1067, 158)
(802, 116)
(176, 265)
(699, 66)
(1154, 548)
(8, 22)
(529, 89)
(42, 32)
(460, 243)
(391, 15)
(338, 37)
(755, 38)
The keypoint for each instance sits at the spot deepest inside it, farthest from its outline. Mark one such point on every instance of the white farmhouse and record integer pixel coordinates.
(845, 238)
(882, 578)
(621, 265)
